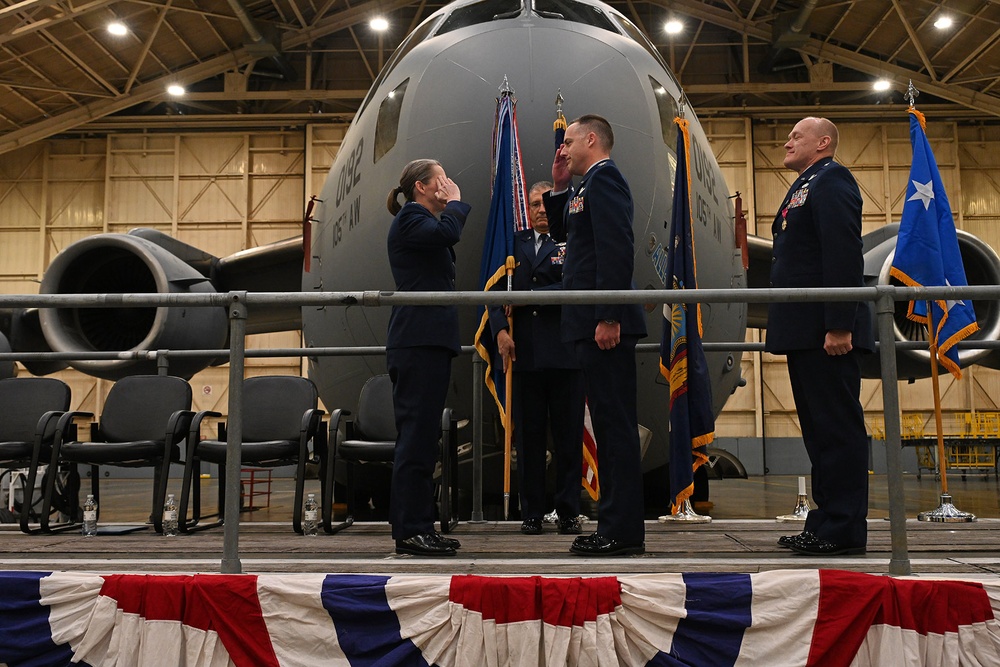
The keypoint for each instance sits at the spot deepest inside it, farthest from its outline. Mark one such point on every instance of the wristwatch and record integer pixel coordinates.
(611, 321)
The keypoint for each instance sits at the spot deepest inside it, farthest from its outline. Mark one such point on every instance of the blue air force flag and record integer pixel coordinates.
(508, 214)
(927, 253)
(682, 358)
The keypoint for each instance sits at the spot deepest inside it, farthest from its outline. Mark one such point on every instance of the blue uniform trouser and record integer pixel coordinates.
(551, 397)
(420, 378)
(611, 394)
(826, 390)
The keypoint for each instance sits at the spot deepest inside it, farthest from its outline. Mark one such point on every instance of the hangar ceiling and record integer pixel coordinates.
(265, 63)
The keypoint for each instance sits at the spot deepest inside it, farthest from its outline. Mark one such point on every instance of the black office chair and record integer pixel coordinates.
(29, 411)
(280, 418)
(371, 438)
(143, 425)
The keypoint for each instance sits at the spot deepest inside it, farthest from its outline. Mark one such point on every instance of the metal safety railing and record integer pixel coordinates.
(237, 304)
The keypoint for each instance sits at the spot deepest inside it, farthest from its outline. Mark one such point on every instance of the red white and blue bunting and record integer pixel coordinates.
(822, 617)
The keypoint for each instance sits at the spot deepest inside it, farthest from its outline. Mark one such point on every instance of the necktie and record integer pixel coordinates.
(542, 238)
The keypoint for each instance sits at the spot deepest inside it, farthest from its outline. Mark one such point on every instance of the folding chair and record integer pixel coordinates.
(29, 411)
(143, 425)
(280, 418)
(371, 438)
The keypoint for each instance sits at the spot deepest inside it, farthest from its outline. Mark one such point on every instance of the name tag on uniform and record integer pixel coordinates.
(560, 256)
(576, 205)
(798, 197)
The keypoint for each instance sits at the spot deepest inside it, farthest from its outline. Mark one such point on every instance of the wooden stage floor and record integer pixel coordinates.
(741, 538)
(498, 548)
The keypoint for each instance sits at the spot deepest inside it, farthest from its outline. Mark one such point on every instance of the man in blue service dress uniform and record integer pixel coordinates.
(817, 243)
(596, 222)
(548, 383)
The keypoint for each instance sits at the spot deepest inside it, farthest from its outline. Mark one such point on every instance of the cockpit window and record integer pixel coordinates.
(571, 10)
(640, 37)
(387, 125)
(667, 108)
(422, 32)
(481, 12)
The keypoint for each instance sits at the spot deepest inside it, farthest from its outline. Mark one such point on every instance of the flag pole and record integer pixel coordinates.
(508, 413)
(508, 416)
(684, 371)
(508, 215)
(589, 475)
(946, 512)
(936, 387)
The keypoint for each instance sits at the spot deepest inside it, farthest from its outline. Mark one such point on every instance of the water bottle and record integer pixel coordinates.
(311, 516)
(170, 516)
(90, 516)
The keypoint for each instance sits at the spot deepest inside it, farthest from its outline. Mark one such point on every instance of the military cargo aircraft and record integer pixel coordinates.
(436, 97)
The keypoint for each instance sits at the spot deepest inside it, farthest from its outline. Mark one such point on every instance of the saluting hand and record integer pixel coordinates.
(560, 172)
(447, 190)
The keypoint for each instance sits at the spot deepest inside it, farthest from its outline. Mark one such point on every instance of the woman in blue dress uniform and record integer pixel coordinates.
(421, 343)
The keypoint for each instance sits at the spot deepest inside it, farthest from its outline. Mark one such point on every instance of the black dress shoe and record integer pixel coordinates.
(531, 526)
(448, 541)
(598, 545)
(821, 547)
(570, 526)
(425, 544)
(787, 541)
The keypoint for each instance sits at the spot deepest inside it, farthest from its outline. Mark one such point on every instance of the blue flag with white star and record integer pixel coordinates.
(927, 253)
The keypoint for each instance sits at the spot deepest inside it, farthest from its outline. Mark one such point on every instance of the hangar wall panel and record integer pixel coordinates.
(222, 192)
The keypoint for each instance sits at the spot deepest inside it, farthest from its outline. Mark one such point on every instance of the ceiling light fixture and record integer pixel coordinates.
(175, 89)
(379, 24)
(943, 22)
(673, 26)
(881, 85)
(117, 28)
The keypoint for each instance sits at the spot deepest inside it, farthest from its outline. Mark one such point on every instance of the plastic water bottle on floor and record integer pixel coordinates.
(310, 516)
(90, 516)
(170, 516)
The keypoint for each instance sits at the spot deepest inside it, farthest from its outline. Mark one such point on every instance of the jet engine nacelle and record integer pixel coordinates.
(130, 263)
(982, 267)
(148, 261)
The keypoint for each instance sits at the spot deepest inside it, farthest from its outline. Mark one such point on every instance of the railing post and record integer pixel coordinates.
(234, 433)
(162, 363)
(478, 369)
(885, 306)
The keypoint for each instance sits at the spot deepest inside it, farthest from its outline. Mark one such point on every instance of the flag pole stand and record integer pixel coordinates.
(685, 514)
(946, 511)
(801, 506)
